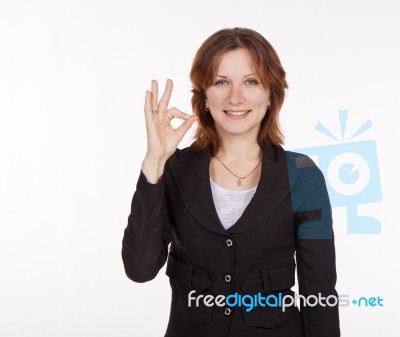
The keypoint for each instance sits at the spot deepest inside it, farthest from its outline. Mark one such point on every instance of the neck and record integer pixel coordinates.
(237, 148)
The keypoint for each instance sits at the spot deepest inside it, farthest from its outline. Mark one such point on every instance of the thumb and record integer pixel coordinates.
(185, 126)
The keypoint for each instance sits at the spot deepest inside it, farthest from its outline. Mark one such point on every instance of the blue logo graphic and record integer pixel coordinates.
(351, 173)
(368, 301)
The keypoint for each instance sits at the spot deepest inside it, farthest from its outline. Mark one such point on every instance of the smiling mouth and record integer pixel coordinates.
(236, 113)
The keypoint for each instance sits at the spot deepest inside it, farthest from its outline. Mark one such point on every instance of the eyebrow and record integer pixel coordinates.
(243, 76)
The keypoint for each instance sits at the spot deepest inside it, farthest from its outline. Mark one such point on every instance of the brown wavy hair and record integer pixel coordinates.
(268, 68)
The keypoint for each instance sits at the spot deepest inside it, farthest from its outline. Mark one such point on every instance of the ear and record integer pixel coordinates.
(206, 104)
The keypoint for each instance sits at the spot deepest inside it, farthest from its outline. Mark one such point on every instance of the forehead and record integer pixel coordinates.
(235, 61)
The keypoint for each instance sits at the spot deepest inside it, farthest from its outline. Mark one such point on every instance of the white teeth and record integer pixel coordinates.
(237, 113)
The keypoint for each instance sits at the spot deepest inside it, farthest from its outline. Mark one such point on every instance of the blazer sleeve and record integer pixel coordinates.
(148, 232)
(315, 250)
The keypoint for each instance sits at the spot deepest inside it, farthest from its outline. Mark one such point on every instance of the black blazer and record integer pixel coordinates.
(287, 224)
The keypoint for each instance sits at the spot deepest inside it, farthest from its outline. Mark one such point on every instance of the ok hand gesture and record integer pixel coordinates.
(162, 138)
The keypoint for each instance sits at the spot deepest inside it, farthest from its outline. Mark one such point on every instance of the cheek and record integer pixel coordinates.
(263, 102)
(214, 98)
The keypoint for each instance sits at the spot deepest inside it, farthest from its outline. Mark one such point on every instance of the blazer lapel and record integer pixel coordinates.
(272, 188)
(191, 176)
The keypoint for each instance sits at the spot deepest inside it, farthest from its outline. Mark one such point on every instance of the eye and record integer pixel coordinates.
(221, 82)
(251, 81)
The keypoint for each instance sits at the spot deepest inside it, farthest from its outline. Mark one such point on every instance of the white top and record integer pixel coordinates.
(230, 204)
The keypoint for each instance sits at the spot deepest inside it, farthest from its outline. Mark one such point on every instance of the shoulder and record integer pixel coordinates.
(188, 152)
(187, 158)
(294, 160)
(305, 177)
(299, 160)
(300, 165)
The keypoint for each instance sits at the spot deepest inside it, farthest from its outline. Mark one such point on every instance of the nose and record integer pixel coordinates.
(236, 95)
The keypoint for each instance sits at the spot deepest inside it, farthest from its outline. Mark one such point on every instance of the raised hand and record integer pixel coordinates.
(162, 138)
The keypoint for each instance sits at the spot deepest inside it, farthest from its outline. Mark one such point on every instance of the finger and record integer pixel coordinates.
(154, 95)
(185, 126)
(174, 112)
(163, 106)
(148, 113)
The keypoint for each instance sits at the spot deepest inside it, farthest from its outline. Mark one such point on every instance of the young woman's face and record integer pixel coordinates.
(236, 99)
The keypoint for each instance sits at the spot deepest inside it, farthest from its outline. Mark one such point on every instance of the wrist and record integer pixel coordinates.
(153, 169)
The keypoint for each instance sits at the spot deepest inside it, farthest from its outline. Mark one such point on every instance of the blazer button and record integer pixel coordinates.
(227, 311)
(229, 242)
(228, 278)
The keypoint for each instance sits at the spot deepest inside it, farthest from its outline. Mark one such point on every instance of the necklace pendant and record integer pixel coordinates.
(239, 182)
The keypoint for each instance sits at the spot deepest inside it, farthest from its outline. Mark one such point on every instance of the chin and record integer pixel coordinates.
(240, 130)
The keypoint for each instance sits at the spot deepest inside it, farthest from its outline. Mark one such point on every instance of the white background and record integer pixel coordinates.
(73, 75)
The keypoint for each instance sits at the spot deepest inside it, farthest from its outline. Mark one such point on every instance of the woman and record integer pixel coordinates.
(239, 211)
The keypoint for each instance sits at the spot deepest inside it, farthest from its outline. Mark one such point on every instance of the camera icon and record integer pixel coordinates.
(352, 177)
